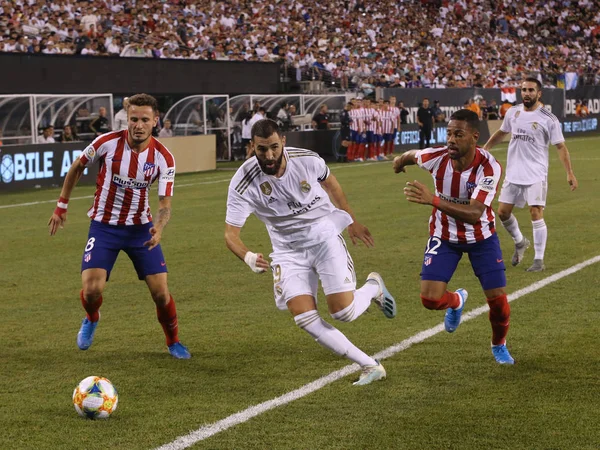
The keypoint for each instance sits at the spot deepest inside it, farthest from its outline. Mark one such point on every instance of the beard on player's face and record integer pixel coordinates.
(529, 102)
(270, 166)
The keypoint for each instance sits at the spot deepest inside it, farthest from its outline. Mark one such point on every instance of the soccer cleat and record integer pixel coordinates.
(452, 317)
(520, 251)
(537, 266)
(370, 374)
(85, 337)
(501, 354)
(383, 299)
(179, 351)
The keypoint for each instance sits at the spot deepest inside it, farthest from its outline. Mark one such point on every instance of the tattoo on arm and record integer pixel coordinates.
(164, 214)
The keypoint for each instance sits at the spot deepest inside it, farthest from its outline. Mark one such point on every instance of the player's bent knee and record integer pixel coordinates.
(92, 290)
(161, 297)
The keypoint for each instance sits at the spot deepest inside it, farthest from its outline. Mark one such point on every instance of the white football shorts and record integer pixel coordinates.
(297, 272)
(520, 194)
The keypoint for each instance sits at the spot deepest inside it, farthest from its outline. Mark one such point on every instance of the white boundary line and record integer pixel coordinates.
(207, 431)
(41, 202)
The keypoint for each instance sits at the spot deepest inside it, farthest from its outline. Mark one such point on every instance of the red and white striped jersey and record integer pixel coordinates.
(354, 116)
(372, 119)
(360, 119)
(479, 181)
(387, 121)
(395, 116)
(125, 177)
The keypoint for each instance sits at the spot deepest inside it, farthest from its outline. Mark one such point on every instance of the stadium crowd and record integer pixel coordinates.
(427, 43)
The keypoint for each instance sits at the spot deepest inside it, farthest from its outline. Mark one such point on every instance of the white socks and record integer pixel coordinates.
(540, 236)
(362, 300)
(512, 226)
(331, 338)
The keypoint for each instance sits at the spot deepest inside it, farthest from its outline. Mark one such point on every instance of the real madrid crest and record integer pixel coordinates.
(266, 188)
(304, 186)
(517, 114)
(534, 125)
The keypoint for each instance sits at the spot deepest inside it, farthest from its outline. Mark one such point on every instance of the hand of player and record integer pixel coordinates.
(572, 181)
(261, 262)
(398, 167)
(56, 221)
(359, 231)
(416, 192)
(154, 240)
(256, 262)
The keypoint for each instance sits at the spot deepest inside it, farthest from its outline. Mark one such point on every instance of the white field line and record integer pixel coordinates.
(87, 197)
(207, 431)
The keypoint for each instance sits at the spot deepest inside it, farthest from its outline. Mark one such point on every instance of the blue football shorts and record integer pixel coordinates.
(106, 241)
(441, 259)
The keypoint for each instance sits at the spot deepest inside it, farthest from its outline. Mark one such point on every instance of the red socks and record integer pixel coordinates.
(499, 318)
(448, 300)
(167, 316)
(91, 308)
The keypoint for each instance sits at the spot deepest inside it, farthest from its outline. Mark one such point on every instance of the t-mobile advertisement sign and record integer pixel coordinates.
(39, 166)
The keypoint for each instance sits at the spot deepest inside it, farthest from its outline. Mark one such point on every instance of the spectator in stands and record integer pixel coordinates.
(320, 121)
(47, 136)
(492, 110)
(68, 134)
(121, 116)
(503, 108)
(100, 124)
(166, 131)
(438, 114)
(473, 106)
(581, 109)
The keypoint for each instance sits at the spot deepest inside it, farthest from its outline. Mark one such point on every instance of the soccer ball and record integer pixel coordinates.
(95, 398)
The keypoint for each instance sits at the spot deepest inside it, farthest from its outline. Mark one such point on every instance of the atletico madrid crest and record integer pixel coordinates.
(427, 260)
(149, 169)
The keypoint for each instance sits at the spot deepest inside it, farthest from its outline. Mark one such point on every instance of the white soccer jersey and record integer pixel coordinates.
(295, 208)
(532, 132)
(125, 177)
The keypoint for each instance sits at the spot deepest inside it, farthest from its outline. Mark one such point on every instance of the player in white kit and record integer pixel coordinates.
(293, 193)
(533, 129)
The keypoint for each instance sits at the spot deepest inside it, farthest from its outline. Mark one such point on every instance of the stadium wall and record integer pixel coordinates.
(59, 74)
(590, 95)
(25, 167)
(452, 100)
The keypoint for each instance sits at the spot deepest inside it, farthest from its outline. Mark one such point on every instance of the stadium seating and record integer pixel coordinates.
(346, 43)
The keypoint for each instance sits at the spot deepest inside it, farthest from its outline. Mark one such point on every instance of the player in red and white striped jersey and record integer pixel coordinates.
(396, 122)
(466, 179)
(130, 161)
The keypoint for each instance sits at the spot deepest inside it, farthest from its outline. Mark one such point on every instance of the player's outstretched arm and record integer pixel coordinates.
(565, 159)
(416, 192)
(59, 216)
(408, 158)
(356, 230)
(164, 214)
(255, 261)
(494, 139)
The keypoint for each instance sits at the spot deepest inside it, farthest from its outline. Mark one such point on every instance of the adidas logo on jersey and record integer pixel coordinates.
(271, 200)
(347, 280)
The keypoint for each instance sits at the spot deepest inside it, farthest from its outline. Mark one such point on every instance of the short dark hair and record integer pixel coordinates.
(534, 80)
(468, 116)
(265, 128)
(144, 100)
